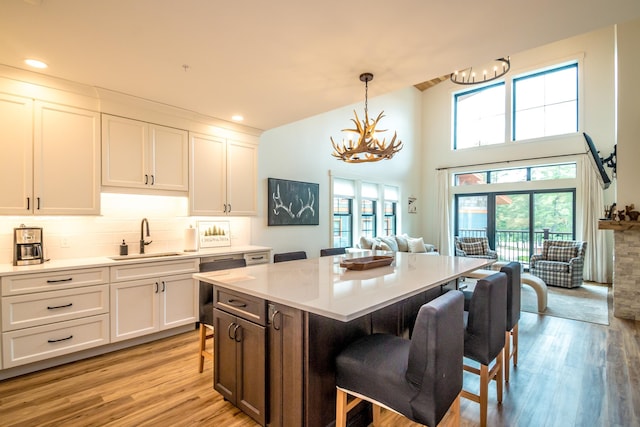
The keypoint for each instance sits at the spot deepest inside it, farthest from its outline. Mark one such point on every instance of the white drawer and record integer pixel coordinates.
(257, 258)
(147, 270)
(22, 311)
(38, 282)
(43, 342)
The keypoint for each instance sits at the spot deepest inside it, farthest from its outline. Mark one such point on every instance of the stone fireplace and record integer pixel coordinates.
(626, 274)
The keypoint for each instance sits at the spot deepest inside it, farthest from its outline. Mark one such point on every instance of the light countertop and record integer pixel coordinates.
(107, 261)
(321, 286)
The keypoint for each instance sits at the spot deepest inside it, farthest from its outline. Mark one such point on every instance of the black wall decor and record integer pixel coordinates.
(293, 202)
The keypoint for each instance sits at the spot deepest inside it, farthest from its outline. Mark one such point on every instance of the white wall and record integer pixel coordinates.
(628, 114)
(598, 119)
(301, 151)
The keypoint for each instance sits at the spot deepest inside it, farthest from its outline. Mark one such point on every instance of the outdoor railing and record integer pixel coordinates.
(514, 245)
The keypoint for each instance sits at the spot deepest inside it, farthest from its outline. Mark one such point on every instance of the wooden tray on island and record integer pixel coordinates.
(367, 262)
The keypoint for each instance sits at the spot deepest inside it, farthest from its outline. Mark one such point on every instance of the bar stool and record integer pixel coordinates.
(484, 338)
(513, 272)
(206, 306)
(420, 378)
(289, 256)
(333, 251)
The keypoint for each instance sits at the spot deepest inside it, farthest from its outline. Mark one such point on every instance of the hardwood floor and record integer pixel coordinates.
(570, 373)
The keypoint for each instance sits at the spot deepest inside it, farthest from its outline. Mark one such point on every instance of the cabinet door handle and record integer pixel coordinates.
(38, 203)
(146, 179)
(28, 203)
(60, 280)
(229, 330)
(237, 338)
(225, 208)
(153, 179)
(59, 306)
(61, 339)
(273, 320)
(235, 303)
(164, 286)
(229, 211)
(157, 287)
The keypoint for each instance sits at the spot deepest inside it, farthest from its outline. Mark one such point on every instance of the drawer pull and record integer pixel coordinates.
(60, 306)
(237, 304)
(60, 280)
(61, 339)
(257, 257)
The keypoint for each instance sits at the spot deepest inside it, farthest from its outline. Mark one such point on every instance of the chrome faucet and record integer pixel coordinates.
(142, 242)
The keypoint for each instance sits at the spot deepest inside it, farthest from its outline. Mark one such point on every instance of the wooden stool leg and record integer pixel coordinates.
(376, 415)
(507, 354)
(203, 338)
(484, 394)
(499, 366)
(515, 345)
(341, 408)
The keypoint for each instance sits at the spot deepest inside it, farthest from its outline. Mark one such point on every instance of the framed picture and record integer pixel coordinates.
(292, 202)
(412, 208)
(212, 234)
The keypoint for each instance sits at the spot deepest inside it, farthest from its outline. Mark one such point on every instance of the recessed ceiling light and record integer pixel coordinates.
(237, 118)
(35, 63)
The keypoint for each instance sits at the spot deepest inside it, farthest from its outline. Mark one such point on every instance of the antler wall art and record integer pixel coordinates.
(292, 202)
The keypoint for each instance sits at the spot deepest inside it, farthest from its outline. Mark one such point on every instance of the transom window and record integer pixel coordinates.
(529, 173)
(480, 117)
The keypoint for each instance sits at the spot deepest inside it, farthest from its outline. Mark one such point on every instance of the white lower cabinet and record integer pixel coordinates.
(43, 342)
(150, 304)
(51, 314)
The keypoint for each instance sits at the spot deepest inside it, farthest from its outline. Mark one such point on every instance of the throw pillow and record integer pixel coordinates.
(473, 248)
(561, 253)
(379, 245)
(403, 243)
(390, 241)
(366, 242)
(416, 245)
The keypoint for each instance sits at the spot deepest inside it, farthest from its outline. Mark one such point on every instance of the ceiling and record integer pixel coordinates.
(279, 61)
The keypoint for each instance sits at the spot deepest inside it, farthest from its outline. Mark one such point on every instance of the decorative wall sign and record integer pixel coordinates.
(213, 234)
(293, 202)
(412, 208)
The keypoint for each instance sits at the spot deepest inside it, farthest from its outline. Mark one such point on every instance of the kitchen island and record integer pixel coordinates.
(304, 313)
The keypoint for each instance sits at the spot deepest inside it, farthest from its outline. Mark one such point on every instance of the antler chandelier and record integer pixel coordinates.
(366, 148)
(468, 76)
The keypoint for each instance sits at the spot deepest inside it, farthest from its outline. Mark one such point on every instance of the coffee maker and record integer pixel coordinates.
(27, 245)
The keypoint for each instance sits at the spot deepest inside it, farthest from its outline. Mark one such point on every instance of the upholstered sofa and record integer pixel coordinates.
(561, 263)
(397, 243)
(474, 247)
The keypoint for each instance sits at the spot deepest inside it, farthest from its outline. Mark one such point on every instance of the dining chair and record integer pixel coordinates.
(333, 251)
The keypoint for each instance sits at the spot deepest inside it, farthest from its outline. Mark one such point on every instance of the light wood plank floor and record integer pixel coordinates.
(570, 373)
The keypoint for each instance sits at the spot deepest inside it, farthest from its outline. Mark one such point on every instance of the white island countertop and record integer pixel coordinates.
(322, 287)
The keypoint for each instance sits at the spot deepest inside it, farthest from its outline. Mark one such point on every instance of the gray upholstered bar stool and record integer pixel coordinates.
(333, 251)
(484, 338)
(289, 256)
(513, 271)
(419, 378)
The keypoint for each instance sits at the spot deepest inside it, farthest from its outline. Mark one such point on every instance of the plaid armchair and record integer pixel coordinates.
(474, 247)
(561, 263)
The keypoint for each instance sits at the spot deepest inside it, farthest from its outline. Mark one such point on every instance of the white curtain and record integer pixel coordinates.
(596, 268)
(443, 205)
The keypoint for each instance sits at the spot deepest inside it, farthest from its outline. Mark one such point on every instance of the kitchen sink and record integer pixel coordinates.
(139, 256)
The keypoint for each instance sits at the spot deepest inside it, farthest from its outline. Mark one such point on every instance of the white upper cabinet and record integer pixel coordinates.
(50, 158)
(137, 154)
(223, 176)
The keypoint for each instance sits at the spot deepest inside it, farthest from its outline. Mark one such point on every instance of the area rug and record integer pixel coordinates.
(587, 303)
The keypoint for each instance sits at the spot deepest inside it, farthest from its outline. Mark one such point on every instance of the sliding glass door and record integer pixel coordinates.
(516, 223)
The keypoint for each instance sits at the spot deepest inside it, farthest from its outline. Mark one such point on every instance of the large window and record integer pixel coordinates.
(342, 221)
(363, 209)
(544, 103)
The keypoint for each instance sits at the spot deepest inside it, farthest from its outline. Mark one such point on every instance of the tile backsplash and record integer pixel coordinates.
(121, 216)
